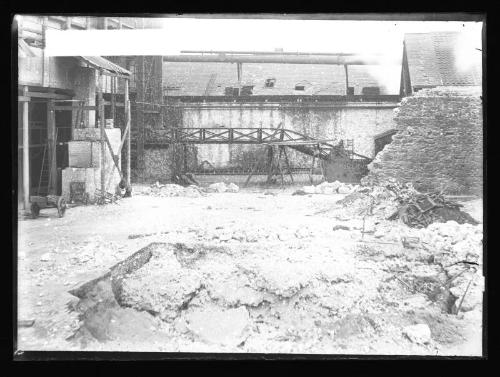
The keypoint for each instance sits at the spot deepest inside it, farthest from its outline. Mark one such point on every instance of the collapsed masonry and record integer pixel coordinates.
(438, 145)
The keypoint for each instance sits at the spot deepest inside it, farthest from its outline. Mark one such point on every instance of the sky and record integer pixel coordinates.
(177, 34)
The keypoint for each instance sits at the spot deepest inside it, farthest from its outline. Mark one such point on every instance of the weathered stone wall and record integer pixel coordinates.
(357, 121)
(439, 143)
(159, 164)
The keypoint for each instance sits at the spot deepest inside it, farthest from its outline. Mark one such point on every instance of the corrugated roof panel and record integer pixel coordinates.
(101, 63)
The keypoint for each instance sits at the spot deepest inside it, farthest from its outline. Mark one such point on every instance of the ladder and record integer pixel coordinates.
(44, 179)
(210, 83)
(45, 173)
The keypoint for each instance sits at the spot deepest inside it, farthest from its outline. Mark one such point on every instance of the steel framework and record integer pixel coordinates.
(319, 148)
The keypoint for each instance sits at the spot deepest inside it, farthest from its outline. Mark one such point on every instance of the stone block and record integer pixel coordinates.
(80, 154)
(91, 177)
(94, 134)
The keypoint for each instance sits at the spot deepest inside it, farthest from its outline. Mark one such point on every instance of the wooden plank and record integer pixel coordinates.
(100, 104)
(117, 104)
(23, 99)
(51, 140)
(140, 82)
(26, 153)
(47, 95)
(113, 99)
(128, 126)
(26, 322)
(76, 107)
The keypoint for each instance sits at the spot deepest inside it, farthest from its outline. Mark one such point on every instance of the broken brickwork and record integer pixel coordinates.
(439, 143)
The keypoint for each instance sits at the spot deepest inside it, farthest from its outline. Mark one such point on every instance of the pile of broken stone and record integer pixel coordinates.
(192, 191)
(327, 188)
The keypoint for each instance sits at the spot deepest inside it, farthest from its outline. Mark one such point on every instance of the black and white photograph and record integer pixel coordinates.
(250, 184)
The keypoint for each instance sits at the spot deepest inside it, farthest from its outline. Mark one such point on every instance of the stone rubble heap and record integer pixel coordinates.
(222, 187)
(192, 191)
(327, 188)
(401, 201)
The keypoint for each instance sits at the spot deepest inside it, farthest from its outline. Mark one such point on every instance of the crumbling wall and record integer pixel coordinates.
(159, 164)
(439, 142)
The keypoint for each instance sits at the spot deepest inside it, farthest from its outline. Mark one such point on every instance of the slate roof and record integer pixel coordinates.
(192, 79)
(432, 60)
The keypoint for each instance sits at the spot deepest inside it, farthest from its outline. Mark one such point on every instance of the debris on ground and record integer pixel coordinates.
(420, 210)
(222, 187)
(401, 201)
(420, 333)
(348, 281)
(169, 190)
(326, 188)
(26, 322)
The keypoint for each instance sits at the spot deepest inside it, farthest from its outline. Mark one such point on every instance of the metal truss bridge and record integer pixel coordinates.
(319, 148)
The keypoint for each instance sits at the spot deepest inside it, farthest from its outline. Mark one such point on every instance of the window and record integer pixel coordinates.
(300, 87)
(246, 90)
(230, 91)
(370, 91)
(270, 83)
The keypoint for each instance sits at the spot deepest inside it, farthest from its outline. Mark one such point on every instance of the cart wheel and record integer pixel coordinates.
(61, 206)
(35, 210)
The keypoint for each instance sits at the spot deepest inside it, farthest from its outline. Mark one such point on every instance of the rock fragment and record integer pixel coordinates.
(220, 326)
(420, 333)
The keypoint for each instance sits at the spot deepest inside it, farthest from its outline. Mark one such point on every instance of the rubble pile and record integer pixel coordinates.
(458, 249)
(222, 187)
(401, 201)
(327, 188)
(191, 191)
(169, 190)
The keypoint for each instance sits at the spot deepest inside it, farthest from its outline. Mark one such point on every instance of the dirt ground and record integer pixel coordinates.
(260, 270)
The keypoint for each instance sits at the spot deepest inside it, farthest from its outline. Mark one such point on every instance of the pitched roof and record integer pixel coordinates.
(433, 60)
(193, 79)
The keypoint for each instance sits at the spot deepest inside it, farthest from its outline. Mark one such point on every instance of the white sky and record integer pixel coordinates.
(382, 37)
(252, 34)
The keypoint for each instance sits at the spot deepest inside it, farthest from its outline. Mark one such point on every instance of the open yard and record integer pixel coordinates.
(260, 270)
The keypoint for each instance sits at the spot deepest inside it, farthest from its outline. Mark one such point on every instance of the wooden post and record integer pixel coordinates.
(26, 153)
(287, 163)
(279, 165)
(312, 168)
(239, 69)
(100, 106)
(46, 58)
(270, 160)
(185, 162)
(346, 80)
(127, 126)
(113, 99)
(140, 82)
(51, 141)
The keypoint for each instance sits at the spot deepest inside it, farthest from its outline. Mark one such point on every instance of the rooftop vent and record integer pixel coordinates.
(270, 83)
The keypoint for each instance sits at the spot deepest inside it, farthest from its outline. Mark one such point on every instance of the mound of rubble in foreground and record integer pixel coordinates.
(366, 293)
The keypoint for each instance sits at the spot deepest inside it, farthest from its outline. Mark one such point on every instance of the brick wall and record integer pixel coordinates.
(438, 143)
